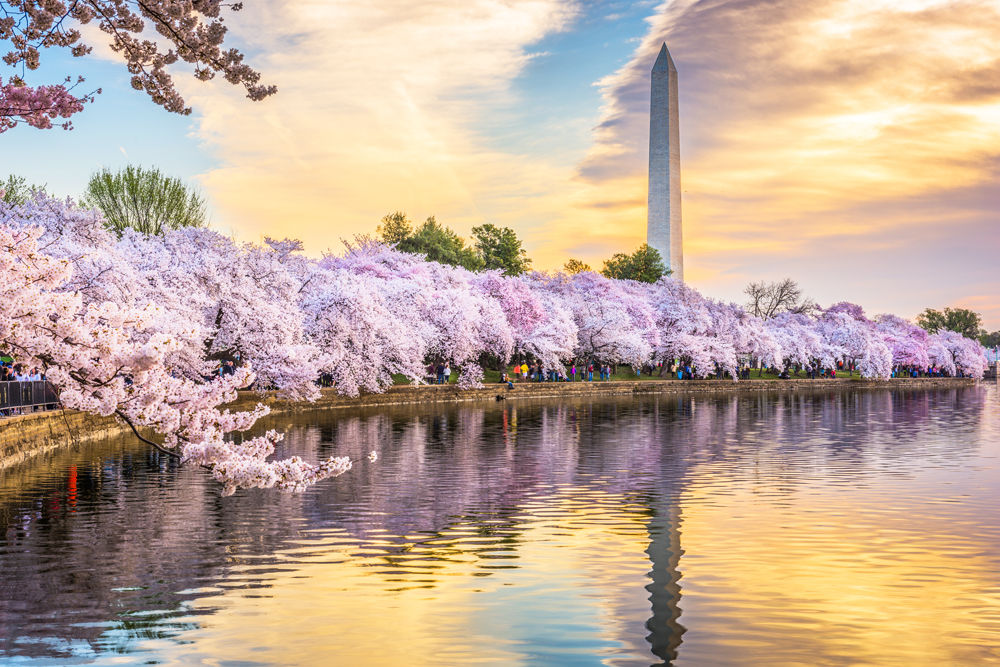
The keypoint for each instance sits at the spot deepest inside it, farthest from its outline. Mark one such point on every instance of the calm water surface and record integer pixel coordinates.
(855, 528)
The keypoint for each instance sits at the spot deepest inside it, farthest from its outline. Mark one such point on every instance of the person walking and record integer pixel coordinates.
(590, 372)
(447, 373)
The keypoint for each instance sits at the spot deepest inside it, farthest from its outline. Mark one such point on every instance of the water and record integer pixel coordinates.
(854, 528)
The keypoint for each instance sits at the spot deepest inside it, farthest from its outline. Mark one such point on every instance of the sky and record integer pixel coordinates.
(853, 145)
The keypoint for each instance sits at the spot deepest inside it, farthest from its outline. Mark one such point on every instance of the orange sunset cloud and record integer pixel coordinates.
(817, 137)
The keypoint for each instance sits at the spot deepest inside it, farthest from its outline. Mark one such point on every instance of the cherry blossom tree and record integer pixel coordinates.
(38, 106)
(907, 342)
(686, 328)
(940, 355)
(233, 296)
(466, 323)
(800, 341)
(970, 356)
(243, 296)
(876, 363)
(846, 329)
(452, 319)
(954, 354)
(542, 328)
(360, 339)
(610, 320)
(746, 334)
(109, 359)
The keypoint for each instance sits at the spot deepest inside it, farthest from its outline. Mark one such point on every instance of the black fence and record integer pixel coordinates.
(22, 397)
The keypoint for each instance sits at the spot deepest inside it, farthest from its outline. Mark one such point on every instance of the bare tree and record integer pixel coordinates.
(768, 299)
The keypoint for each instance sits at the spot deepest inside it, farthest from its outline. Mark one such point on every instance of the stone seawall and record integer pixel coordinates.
(429, 394)
(24, 436)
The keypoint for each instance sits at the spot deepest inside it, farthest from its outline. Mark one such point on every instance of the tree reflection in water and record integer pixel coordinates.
(105, 547)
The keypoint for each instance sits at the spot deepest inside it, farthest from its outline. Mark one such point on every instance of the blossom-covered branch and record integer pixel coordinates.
(189, 31)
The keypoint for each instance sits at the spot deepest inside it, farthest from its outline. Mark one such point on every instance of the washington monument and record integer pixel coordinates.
(663, 221)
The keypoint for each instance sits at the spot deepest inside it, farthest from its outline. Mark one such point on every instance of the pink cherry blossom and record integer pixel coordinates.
(137, 326)
(188, 32)
(37, 106)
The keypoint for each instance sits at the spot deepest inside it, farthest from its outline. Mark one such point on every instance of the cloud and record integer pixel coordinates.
(861, 125)
(852, 144)
(381, 106)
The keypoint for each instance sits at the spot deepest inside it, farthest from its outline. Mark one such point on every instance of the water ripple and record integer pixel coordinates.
(831, 529)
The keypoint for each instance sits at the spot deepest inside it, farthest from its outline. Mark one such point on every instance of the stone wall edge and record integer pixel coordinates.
(24, 436)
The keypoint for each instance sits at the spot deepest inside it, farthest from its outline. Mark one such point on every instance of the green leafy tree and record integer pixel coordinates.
(575, 266)
(16, 190)
(144, 200)
(644, 265)
(441, 244)
(499, 248)
(931, 320)
(990, 339)
(961, 320)
(395, 228)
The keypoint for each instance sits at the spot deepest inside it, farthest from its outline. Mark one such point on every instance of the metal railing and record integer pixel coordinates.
(22, 397)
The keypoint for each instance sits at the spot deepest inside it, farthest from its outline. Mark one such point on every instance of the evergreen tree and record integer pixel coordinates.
(395, 228)
(644, 265)
(441, 244)
(575, 266)
(990, 339)
(499, 248)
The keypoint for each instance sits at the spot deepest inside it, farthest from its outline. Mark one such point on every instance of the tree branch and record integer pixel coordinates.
(163, 449)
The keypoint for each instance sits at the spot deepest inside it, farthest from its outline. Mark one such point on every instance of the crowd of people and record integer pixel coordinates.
(11, 372)
(17, 395)
(538, 372)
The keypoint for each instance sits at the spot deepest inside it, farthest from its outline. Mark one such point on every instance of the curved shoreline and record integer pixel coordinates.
(24, 436)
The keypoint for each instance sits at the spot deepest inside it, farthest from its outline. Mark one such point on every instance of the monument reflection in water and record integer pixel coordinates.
(808, 528)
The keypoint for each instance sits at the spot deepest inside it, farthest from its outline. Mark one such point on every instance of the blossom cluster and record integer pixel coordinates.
(192, 32)
(137, 326)
(38, 106)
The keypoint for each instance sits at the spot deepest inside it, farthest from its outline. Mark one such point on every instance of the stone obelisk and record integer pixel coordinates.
(663, 221)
